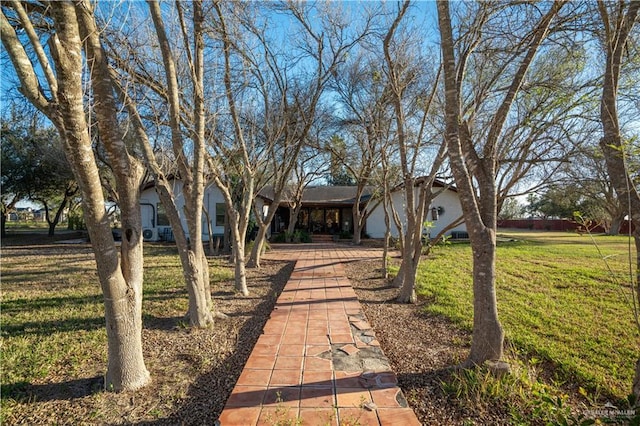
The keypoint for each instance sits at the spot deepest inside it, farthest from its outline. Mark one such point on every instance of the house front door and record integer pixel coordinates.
(332, 221)
(316, 224)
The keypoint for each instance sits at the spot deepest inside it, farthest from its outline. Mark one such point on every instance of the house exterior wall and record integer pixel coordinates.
(150, 205)
(448, 200)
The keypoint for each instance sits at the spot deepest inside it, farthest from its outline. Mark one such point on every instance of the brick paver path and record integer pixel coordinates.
(317, 361)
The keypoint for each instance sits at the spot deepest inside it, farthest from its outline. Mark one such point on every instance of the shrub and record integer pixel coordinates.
(345, 235)
(301, 236)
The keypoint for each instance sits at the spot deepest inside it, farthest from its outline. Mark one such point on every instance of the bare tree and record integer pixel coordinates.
(255, 78)
(120, 274)
(366, 126)
(190, 157)
(289, 113)
(235, 165)
(309, 168)
(411, 99)
(167, 106)
(474, 162)
(619, 20)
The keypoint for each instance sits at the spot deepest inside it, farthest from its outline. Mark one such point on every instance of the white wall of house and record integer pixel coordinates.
(447, 200)
(156, 228)
(150, 207)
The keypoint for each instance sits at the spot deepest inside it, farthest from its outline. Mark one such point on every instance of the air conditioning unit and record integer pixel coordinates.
(150, 234)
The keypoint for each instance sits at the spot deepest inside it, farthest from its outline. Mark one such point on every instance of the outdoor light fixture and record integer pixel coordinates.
(436, 212)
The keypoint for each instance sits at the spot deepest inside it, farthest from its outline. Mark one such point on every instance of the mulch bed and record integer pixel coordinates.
(421, 349)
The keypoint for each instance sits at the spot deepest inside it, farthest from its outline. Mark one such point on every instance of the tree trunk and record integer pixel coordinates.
(211, 243)
(3, 224)
(616, 222)
(126, 369)
(357, 227)
(408, 286)
(121, 275)
(488, 336)
(200, 304)
(293, 218)
(475, 174)
(412, 248)
(237, 249)
(399, 278)
(611, 143)
(56, 219)
(192, 259)
(52, 225)
(207, 284)
(263, 227)
(191, 252)
(258, 245)
(385, 254)
(226, 238)
(240, 270)
(387, 224)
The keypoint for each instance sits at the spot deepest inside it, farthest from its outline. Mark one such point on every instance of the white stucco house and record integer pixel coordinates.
(328, 210)
(444, 210)
(325, 210)
(155, 224)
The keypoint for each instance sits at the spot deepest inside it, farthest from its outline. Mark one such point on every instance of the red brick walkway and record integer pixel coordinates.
(317, 361)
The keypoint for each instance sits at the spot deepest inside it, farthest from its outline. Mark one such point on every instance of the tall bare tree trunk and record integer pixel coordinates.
(616, 223)
(128, 173)
(469, 166)
(211, 243)
(263, 226)
(407, 292)
(120, 274)
(293, 218)
(258, 244)
(617, 30)
(357, 225)
(488, 336)
(360, 212)
(238, 255)
(194, 262)
(408, 148)
(387, 238)
(412, 248)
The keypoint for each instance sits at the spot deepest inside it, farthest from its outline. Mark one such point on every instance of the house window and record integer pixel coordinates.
(220, 212)
(163, 219)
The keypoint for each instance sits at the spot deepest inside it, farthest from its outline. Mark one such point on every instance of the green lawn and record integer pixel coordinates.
(557, 301)
(53, 312)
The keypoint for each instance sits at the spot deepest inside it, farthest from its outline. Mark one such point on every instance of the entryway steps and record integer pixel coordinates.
(322, 238)
(318, 361)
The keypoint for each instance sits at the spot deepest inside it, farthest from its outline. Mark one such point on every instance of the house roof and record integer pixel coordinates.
(437, 183)
(324, 195)
(340, 195)
(327, 195)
